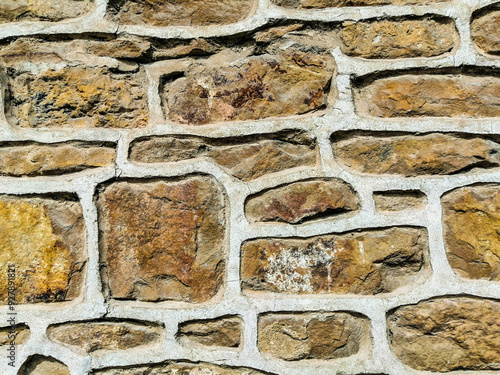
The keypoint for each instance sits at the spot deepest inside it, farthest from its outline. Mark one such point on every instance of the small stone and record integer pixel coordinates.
(416, 155)
(43, 243)
(14, 335)
(299, 336)
(93, 336)
(392, 39)
(485, 32)
(368, 262)
(40, 365)
(402, 200)
(220, 332)
(306, 4)
(471, 218)
(302, 200)
(163, 239)
(447, 334)
(42, 10)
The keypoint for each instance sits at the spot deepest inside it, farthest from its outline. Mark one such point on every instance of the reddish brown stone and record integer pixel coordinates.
(222, 332)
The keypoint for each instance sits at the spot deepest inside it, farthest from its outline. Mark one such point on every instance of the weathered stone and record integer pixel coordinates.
(193, 47)
(471, 225)
(178, 367)
(399, 200)
(288, 83)
(312, 335)
(41, 10)
(78, 97)
(369, 262)
(40, 365)
(392, 39)
(446, 334)
(38, 159)
(245, 158)
(163, 239)
(485, 32)
(223, 332)
(14, 335)
(416, 155)
(180, 12)
(93, 336)
(44, 240)
(430, 95)
(298, 201)
(342, 3)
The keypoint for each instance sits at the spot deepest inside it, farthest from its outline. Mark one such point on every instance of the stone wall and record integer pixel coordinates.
(249, 187)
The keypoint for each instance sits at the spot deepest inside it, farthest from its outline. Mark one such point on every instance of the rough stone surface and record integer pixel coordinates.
(302, 200)
(245, 158)
(94, 336)
(77, 97)
(446, 334)
(370, 262)
(399, 200)
(342, 3)
(221, 332)
(391, 39)
(312, 336)
(471, 218)
(16, 335)
(45, 240)
(40, 10)
(288, 83)
(416, 155)
(37, 159)
(430, 95)
(174, 367)
(40, 365)
(485, 32)
(180, 12)
(163, 239)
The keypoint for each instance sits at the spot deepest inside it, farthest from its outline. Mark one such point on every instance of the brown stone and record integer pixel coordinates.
(14, 335)
(430, 95)
(40, 365)
(416, 155)
(180, 12)
(471, 218)
(399, 200)
(38, 159)
(44, 240)
(222, 332)
(41, 10)
(485, 32)
(288, 83)
(93, 336)
(368, 262)
(446, 334)
(78, 97)
(392, 39)
(163, 239)
(180, 367)
(302, 200)
(245, 158)
(312, 335)
(342, 3)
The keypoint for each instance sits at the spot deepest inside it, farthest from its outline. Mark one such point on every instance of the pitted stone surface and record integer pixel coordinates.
(163, 239)
(41, 10)
(219, 332)
(370, 262)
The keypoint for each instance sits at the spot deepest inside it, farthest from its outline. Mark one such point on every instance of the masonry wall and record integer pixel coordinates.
(249, 187)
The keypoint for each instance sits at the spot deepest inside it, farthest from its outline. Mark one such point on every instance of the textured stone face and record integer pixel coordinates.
(412, 155)
(446, 334)
(485, 32)
(286, 84)
(399, 200)
(45, 240)
(40, 365)
(163, 239)
(312, 336)
(105, 335)
(77, 97)
(430, 95)
(471, 218)
(392, 39)
(16, 335)
(222, 332)
(369, 262)
(37, 159)
(184, 368)
(342, 3)
(180, 12)
(245, 158)
(301, 200)
(41, 10)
